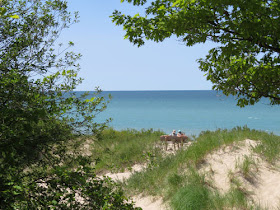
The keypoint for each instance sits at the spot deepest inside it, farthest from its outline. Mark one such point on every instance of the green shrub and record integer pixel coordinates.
(41, 114)
(65, 188)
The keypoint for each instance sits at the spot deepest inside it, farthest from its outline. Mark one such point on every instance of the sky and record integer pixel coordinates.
(113, 63)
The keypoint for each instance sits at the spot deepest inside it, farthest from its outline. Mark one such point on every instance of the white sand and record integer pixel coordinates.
(149, 203)
(125, 175)
(224, 160)
(266, 191)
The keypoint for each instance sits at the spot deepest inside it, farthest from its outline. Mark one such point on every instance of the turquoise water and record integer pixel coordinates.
(189, 111)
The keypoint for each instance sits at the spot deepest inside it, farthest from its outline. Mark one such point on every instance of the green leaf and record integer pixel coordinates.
(17, 187)
(2, 11)
(162, 7)
(14, 16)
(136, 15)
(54, 202)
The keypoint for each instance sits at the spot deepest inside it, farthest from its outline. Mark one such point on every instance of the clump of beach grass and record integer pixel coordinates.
(193, 194)
(197, 194)
(248, 168)
(269, 148)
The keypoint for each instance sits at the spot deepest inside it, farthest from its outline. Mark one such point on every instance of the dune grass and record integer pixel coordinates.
(119, 150)
(269, 147)
(248, 168)
(170, 178)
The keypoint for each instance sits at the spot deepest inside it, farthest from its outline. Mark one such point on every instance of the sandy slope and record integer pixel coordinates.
(149, 203)
(264, 182)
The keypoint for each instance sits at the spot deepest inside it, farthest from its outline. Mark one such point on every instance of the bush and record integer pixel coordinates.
(41, 115)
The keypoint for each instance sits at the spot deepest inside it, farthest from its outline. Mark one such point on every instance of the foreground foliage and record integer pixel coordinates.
(68, 189)
(40, 114)
(246, 61)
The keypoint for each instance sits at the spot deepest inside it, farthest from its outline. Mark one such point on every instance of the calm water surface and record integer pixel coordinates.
(189, 111)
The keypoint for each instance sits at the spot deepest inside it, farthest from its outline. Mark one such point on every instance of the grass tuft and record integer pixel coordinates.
(175, 180)
(248, 168)
(192, 197)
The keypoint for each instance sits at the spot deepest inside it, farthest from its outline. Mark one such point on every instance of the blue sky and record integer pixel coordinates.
(113, 63)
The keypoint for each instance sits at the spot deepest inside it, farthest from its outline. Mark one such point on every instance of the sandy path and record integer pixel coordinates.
(125, 175)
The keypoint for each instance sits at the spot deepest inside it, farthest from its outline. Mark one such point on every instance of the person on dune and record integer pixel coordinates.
(173, 133)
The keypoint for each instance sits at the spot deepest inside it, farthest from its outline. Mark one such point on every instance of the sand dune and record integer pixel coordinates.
(263, 182)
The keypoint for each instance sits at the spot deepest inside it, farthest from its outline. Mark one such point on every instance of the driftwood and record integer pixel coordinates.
(175, 140)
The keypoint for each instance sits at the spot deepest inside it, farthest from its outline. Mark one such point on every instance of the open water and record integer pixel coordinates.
(189, 111)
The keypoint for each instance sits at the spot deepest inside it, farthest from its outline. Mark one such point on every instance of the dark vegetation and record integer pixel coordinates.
(42, 119)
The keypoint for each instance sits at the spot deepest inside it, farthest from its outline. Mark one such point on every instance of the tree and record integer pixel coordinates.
(42, 118)
(246, 61)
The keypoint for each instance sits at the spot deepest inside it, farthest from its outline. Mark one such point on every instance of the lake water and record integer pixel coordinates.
(189, 111)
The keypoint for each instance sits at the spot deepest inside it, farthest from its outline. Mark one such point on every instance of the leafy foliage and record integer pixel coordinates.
(246, 61)
(67, 189)
(41, 115)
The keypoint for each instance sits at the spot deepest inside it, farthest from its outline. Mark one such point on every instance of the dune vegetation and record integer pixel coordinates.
(178, 177)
